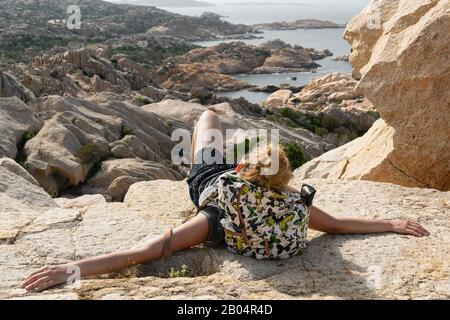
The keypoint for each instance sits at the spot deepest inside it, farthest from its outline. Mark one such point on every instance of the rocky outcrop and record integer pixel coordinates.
(17, 123)
(210, 67)
(404, 71)
(185, 77)
(299, 24)
(287, 58)
(385, 266)
(328, 106)
(78, 134)
(208, 26)
(84, 70)
(335, 96)
(242, 122)
(345, 58)
(11, 87)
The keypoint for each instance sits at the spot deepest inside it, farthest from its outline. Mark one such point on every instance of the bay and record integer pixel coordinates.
(321, 39)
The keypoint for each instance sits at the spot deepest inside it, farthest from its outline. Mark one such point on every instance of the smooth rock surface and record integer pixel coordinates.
(385, 266)
(21, 200)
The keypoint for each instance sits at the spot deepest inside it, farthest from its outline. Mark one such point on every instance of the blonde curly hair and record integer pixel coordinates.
(252, 166)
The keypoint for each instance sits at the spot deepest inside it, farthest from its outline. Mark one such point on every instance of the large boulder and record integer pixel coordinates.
(400, 52)
(116, 176)
(11, 87)
(385, 266)
(278, 99)
(78, 134)
(21, 200)
(16, 122)
(356, 160)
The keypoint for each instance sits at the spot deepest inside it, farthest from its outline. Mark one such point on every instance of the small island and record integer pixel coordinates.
(299, 24)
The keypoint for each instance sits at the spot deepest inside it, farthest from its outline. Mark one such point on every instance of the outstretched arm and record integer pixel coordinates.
(186, 236)
(321, 221)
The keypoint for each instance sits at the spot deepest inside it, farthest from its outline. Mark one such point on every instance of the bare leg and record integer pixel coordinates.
(208, 120)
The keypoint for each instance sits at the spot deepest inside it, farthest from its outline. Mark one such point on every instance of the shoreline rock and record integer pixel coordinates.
(213, 67)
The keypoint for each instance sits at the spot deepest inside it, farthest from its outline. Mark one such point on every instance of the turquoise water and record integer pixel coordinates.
(319, 39)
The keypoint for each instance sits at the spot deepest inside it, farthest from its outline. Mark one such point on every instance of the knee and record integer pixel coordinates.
(210, 115)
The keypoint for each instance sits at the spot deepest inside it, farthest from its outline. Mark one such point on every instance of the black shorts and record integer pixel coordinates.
(201, 173)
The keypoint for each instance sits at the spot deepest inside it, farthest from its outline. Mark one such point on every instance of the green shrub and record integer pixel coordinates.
(330, 123)
(142, 101)
(290, 113)
(313, 122)
(352, 135)
(177, 77)
(295, 155)
(182, 273)
(262, 52)
(127, 132)
(21, 158)
(90, 154)
(321, 131)
(27, 136)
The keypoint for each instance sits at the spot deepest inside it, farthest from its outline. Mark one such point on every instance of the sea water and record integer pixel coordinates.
(321, 39)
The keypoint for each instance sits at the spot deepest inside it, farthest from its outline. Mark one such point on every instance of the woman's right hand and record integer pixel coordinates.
(46, 278)
(409, 228)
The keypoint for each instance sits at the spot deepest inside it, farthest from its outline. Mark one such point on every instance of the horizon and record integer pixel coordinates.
(342, 3)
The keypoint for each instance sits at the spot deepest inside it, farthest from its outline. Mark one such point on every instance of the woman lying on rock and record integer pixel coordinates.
(254, 213)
